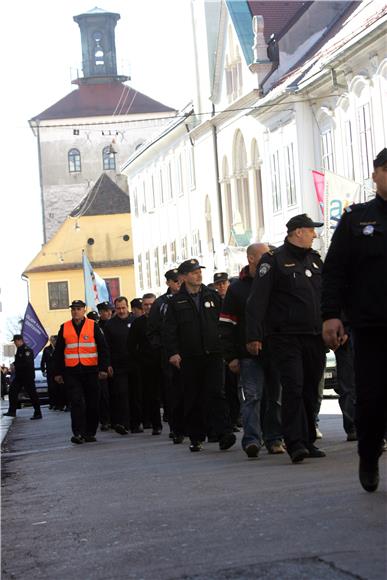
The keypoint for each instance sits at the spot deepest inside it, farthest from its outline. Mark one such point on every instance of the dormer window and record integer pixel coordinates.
(108, 158)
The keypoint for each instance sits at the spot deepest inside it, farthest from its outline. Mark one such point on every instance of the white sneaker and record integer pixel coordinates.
(319, 435)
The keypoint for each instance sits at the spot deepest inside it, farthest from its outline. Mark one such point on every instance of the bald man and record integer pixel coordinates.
(256, 376)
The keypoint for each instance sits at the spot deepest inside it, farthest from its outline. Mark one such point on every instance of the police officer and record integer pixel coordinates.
(105, 310)
(172, 392)
(355, 281)
(47, 368)
(284, 309)
(24, 378)
(81, 357)
(192, 339)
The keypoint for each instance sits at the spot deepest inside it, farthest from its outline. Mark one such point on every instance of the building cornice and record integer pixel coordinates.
(78, 266)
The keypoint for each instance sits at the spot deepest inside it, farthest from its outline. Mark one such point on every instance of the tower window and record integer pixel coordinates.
(74, 161)
(98, 50)
(108, 158)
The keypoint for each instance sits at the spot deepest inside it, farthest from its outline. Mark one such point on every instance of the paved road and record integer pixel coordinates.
(138, 507)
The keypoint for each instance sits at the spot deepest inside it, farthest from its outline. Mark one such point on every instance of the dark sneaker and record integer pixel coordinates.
(251, 450)
(36, 416)
(352, 436)
(77, 439)
(369, 475)
(121, 429)
(195, 446)
(226, 441)
(89, 438)
(316, 452)
(9, 414)
(177, 439)
(299, 455)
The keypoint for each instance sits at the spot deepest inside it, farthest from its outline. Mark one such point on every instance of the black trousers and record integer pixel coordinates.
(175, 399)
(203, 378)
(231, 394)
(151, 377)
(104, 402)
(52, 390)
(300, 360)
(346, 384)
(83, 392)
(135, 397)
(370, 361)
(120, 399)
(14, 390)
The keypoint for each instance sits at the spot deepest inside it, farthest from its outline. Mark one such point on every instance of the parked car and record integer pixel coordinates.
(40, 384)
(330, 375)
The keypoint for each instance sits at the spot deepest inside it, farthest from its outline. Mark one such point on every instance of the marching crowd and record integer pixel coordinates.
(242, 353)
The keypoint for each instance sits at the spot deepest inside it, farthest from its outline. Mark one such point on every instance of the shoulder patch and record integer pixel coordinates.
(263, 269)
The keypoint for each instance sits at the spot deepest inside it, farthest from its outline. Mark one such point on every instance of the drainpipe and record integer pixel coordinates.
(41, 182)
(217, 177)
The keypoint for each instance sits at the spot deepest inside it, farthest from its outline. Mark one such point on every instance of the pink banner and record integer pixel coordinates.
(319, 184)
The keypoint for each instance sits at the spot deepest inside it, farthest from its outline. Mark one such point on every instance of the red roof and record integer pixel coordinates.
(278, 16)
(102, 99)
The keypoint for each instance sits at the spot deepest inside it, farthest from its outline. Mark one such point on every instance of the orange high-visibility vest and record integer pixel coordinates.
(80, 349)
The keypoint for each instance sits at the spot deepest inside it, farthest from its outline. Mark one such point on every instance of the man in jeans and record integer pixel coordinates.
(258, 379)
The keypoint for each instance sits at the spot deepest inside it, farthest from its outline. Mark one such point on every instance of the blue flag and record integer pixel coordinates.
(32, 331)
(96, 290)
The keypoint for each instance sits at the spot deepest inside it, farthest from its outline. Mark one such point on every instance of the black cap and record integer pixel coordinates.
(220, 277)
(105, 306)
(136, 303)
(17, 337)
(172, 275)
(302, 221)
(189, 266)
(93, 315)
(77, 303)
(381, 158)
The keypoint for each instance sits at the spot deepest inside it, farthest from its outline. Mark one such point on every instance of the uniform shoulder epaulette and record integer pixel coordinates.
(273, 251)
(355, 207)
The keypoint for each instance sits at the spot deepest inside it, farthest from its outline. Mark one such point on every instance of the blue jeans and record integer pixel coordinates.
(251, 383)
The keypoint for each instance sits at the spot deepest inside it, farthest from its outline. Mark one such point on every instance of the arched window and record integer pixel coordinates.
(227, 199)
(74, 161)
(108, 158)
(210, 237)
(256, 163)
(242, 181)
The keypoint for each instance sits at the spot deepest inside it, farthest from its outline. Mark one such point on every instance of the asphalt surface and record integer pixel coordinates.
(139, 507)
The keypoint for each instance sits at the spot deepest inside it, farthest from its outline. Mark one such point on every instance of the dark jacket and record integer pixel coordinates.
(116, 332)
(156, 319)
(286, 292)
(355, 269)
(24, 363)
(47, 362)
(190, 331)
(102, 348)
(233, 317)
(139, 346)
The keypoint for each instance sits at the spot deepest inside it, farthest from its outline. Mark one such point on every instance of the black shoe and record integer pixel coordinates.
(369, 475)
(178, 439)
(352, 436)
(195, 446)
(104, 427)
(299, 455)
(121, 429)
(36, 416)
(9, 414)
(147, 425)
(67, 409)
(156, 431)
(137, 430)
(89, 438)
(251, 450)
(77, 439)
(213, 439)
(226, 441)
(171, 435)
(235, 429)
(315, 451)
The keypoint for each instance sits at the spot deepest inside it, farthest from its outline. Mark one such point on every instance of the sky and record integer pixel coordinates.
(41, 49)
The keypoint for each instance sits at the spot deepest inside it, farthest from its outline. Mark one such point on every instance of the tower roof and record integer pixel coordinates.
(105, 198)
(98, 100)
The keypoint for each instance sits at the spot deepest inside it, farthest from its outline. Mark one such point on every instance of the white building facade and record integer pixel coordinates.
(242, 164)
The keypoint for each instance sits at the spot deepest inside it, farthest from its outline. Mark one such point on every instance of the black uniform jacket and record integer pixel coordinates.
(233, 317)
(286, 292)
(355, 269)
(102, 348)
(116, 332)
(156, 319)
(24, 363)
(139, 346)
(47, 362)
(190, 331)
